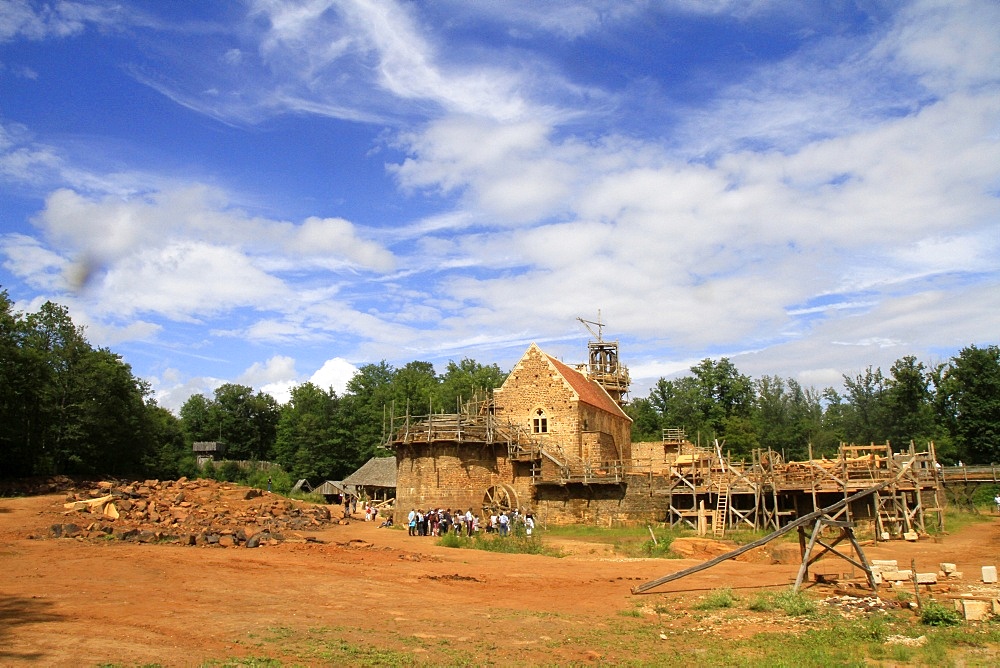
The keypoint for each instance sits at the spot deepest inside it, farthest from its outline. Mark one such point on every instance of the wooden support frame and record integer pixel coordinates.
(846, 532)
(805, 519)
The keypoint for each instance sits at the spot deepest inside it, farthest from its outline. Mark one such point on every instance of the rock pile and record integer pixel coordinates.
(188, 512)
(36, 486)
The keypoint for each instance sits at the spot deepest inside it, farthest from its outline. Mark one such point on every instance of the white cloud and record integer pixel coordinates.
(334, 374)
(276, 377)
(186, 280)
(276, 369)
(20, 18)
(950, 45)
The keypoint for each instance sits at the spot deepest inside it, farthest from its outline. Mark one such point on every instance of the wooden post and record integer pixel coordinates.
(916, 587)
(804, 568)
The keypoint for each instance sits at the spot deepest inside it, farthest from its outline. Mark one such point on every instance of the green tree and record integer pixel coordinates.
(107, 429)
(415, 386)
(645, 420)
(865, 419)
(198, 421)
(16, 395)
(54, 347)
(908, 407)
(170, 455)
(835, 416)
(364, 410)
(724, 392)
(66, 407)
(463, 380)
(306, 445)
(973, 386)
(679, 403)
(248, 422)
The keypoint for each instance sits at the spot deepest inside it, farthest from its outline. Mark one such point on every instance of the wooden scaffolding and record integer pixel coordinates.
(708, 491)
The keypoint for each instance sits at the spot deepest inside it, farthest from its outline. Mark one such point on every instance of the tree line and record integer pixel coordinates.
(68, 407)
(955, 404)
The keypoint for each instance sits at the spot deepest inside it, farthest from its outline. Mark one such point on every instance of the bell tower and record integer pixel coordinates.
(603, 365)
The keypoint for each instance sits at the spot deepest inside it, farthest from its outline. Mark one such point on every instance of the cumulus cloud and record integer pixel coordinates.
(181, 253)
(334, 374)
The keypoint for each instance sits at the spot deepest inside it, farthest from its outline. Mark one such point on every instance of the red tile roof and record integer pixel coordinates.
(589, 391)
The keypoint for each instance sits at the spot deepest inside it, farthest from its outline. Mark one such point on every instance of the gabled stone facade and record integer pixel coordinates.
(563, 409)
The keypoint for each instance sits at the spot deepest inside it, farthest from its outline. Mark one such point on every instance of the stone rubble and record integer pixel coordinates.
(187, 512)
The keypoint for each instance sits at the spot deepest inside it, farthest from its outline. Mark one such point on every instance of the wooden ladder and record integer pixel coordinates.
(721, 510)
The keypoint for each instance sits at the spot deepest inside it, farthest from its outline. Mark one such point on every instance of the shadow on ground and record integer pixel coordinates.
(18, 611)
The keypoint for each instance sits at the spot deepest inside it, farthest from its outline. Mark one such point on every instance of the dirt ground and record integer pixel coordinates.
(371, 595)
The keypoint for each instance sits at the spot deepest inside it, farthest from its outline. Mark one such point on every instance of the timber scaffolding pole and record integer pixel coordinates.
(708, 489)
(802, 521)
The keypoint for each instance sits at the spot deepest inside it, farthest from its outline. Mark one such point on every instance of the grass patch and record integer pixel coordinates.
(322, 646)
(793, 604)
(627, 541)
(308, 497)
(630, 637)
(516, 543)
(717, 599)
(956, 519)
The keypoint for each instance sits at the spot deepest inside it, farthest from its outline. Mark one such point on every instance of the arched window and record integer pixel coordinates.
(539, 423)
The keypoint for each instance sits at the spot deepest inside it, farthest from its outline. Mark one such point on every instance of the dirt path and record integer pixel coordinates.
(67, 602)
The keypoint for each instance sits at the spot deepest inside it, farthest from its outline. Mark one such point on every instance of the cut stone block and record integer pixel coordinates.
(897, 576)
(947, 567)
(974, 611)
(989, 574)
(885, 564)
(910, 536)
(927, 578)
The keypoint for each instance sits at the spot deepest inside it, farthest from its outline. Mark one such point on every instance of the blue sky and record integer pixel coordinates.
(273, 192)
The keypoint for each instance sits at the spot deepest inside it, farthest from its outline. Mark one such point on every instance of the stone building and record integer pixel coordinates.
(548, 424)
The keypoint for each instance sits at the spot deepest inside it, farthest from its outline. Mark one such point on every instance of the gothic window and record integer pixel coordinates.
(540, 423)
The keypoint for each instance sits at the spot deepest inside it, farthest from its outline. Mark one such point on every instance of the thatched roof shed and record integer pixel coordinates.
(377, 477)
(334, 488)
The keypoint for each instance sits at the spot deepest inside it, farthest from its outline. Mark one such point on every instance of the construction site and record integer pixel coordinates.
(553, 440)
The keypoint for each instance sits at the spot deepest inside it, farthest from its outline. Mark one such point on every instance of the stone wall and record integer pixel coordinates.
(652, 456)
(449, 475)
(617, 440)
(635, 501)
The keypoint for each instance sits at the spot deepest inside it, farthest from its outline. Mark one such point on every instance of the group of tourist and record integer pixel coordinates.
(438, 522)
(351, 507)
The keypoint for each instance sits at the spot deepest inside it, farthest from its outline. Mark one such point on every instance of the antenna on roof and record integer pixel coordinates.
(599, 324)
